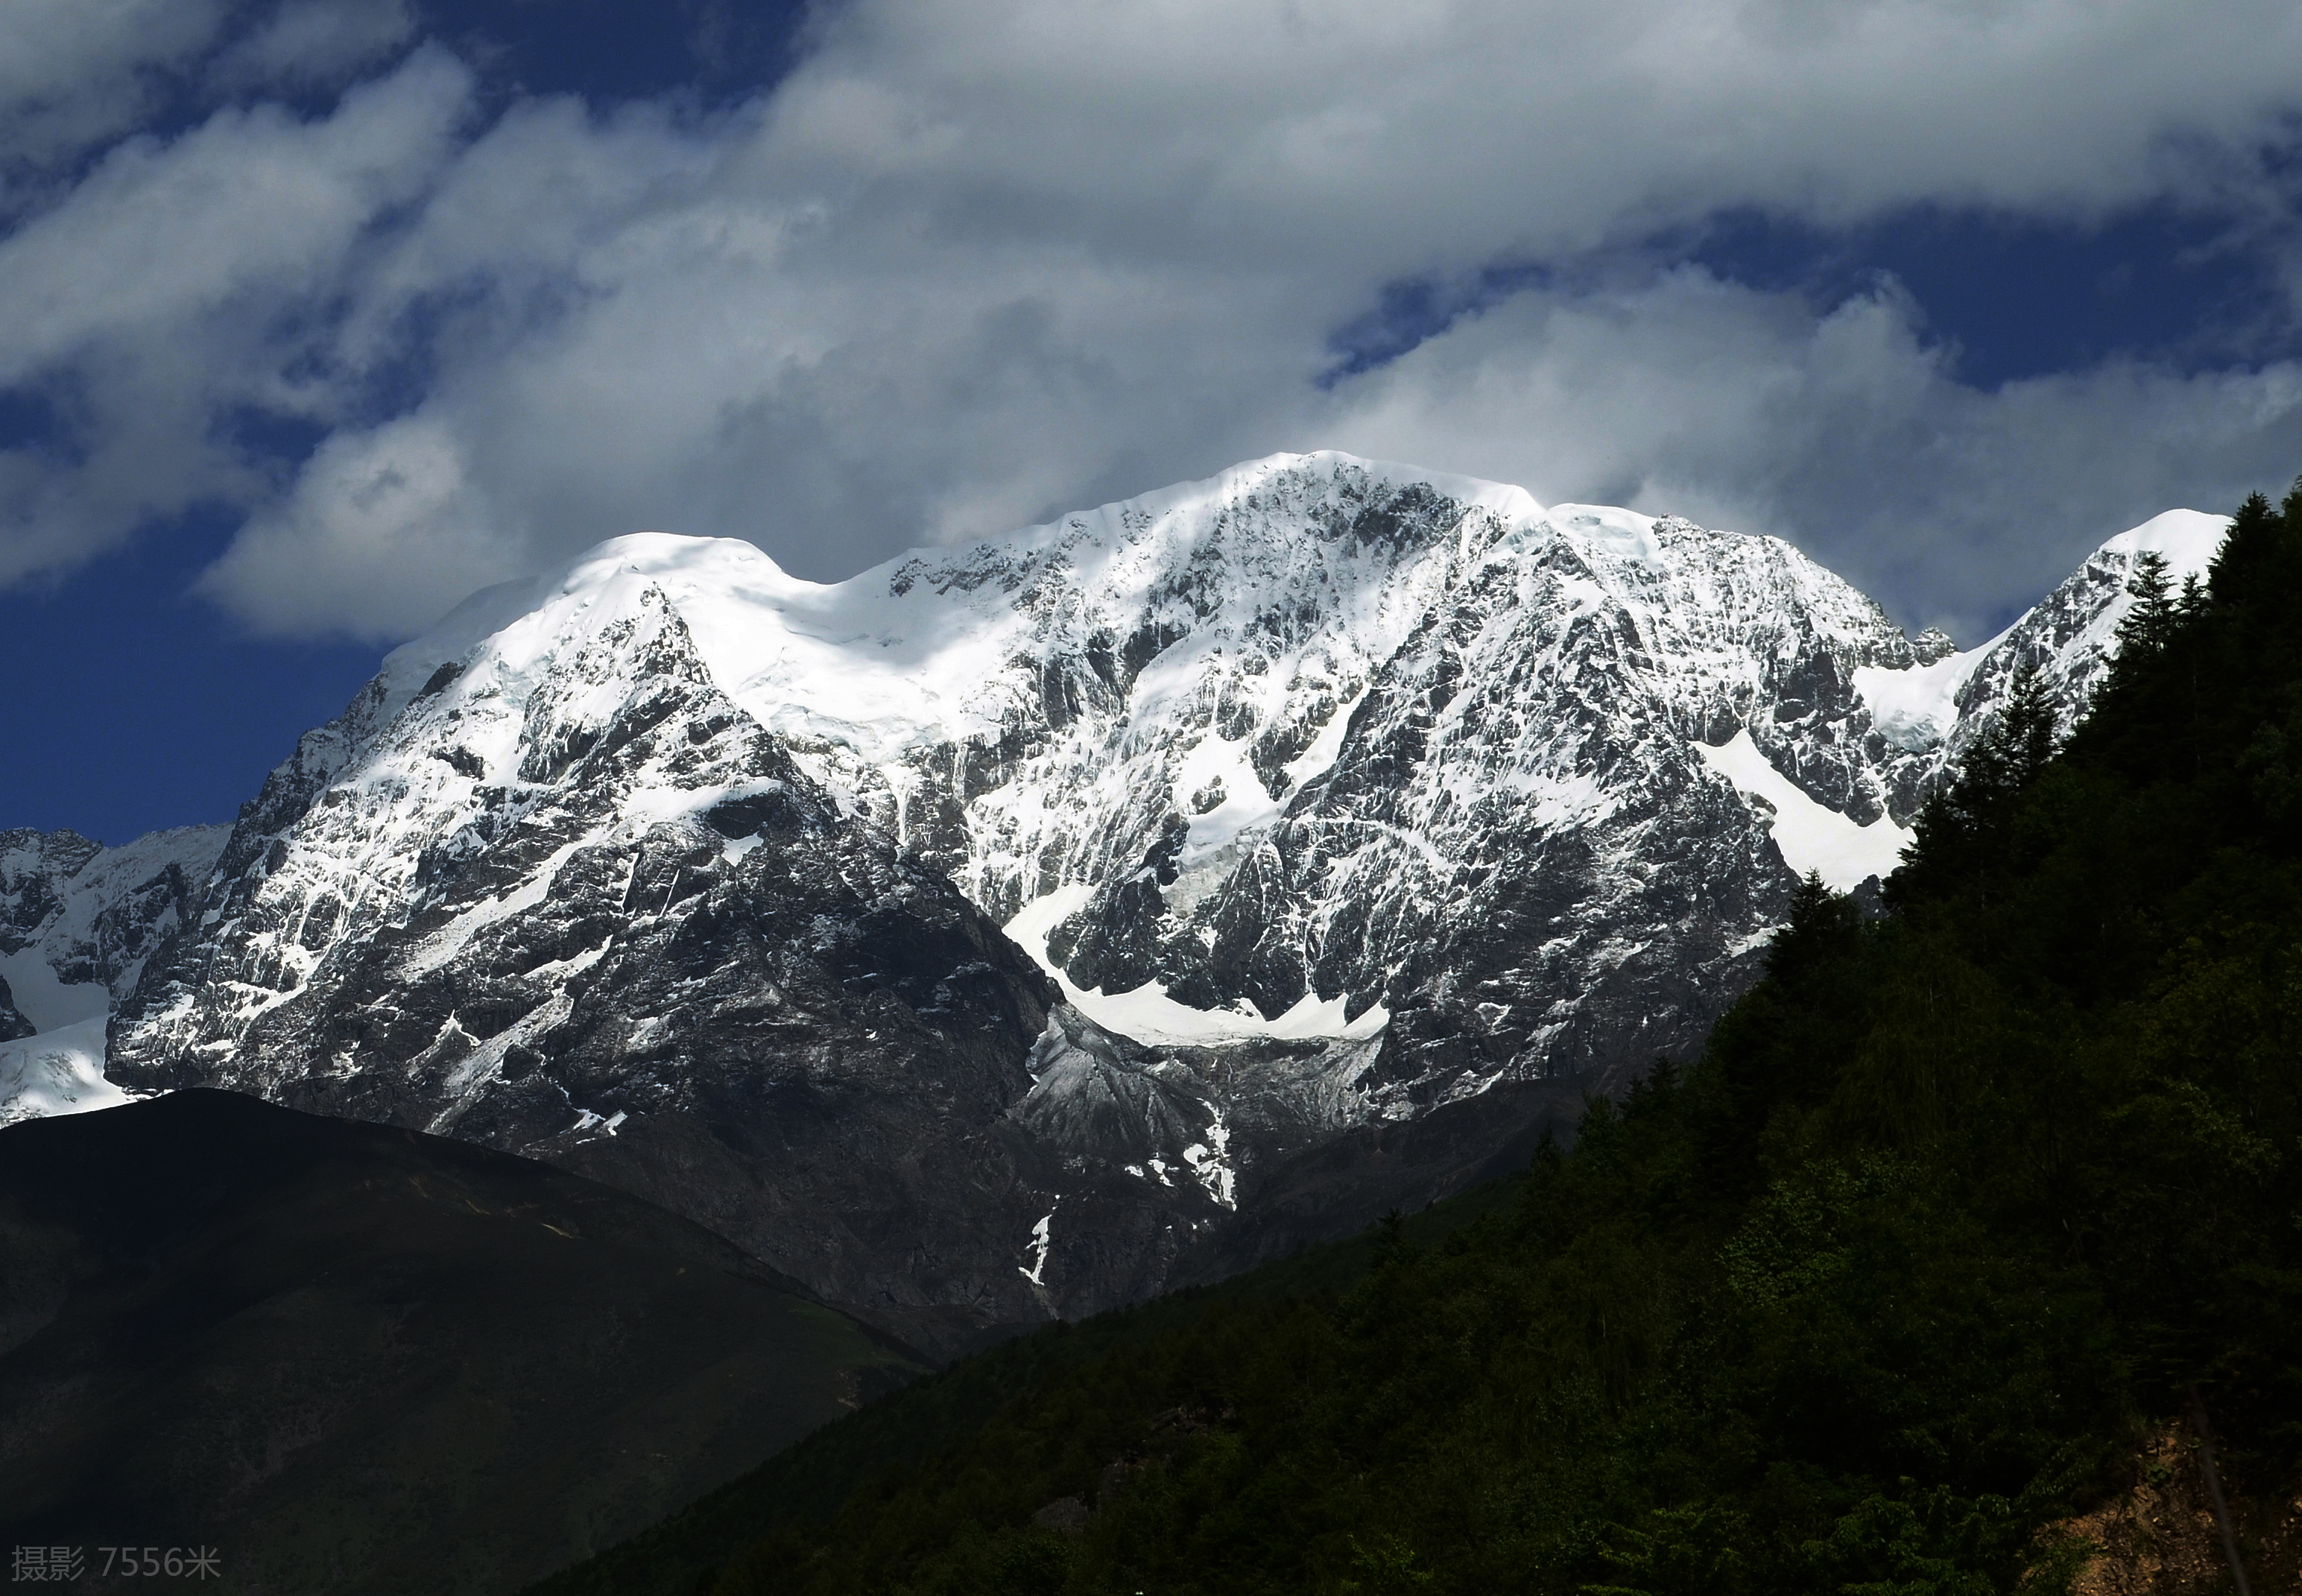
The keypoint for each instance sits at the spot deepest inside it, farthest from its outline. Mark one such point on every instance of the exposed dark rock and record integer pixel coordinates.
(12, 1024)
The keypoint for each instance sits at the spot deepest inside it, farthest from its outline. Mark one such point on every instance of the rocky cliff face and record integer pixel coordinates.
(1345, 824)
(74, 913)
(77, 922)
(565, 897)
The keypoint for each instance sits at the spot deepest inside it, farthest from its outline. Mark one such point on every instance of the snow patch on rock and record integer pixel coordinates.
(48, 1002)
(1148, 1015)
(1915, 708)
(1042, 1242)
(59, 1071)
(1810, 837)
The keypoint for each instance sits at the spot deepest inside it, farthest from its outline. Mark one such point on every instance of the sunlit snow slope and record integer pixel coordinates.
(1282, 750)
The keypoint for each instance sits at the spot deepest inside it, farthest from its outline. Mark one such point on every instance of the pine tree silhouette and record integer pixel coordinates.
(2247, 554)
(2151, 620)
(2026, 728)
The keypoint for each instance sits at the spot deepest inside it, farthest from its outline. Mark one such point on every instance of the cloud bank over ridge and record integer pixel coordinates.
(965, 265)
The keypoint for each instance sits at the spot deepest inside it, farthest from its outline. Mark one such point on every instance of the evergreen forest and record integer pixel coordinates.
(1961, 1205)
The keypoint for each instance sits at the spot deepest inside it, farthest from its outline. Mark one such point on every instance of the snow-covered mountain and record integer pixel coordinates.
(2069, 638)
(76, 922)
(1362, 818)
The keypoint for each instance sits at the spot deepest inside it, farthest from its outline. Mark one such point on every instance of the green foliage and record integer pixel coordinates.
(1953, 1205)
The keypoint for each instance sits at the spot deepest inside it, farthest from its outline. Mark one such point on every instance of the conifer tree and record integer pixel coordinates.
(1819, 923)
(2248, 552)
(1938, 835)
(1982, 776)
(2026, 728)
(1949, 836)
(2009, 755)
(2151, 619)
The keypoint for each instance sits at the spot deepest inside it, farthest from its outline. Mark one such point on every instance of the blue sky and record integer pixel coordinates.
(315, 315)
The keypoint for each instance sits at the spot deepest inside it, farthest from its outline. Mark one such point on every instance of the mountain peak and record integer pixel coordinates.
(2189, 539)
(1319, 795)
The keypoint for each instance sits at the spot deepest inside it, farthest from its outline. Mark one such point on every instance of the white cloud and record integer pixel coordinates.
(75, 72)
(361, 536)
(972, 264)
(183, 282)
(1747, 410)
(314, 42)
(1392, 136)
(251, 204)
(72, 71)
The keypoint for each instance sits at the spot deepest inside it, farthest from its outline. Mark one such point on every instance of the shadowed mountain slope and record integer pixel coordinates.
(357, 1358)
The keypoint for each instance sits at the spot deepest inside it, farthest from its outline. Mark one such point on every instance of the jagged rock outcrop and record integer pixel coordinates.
(12, 1023)
(569, 900)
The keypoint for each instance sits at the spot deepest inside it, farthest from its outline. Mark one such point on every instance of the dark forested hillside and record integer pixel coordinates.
(1952, 1215)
